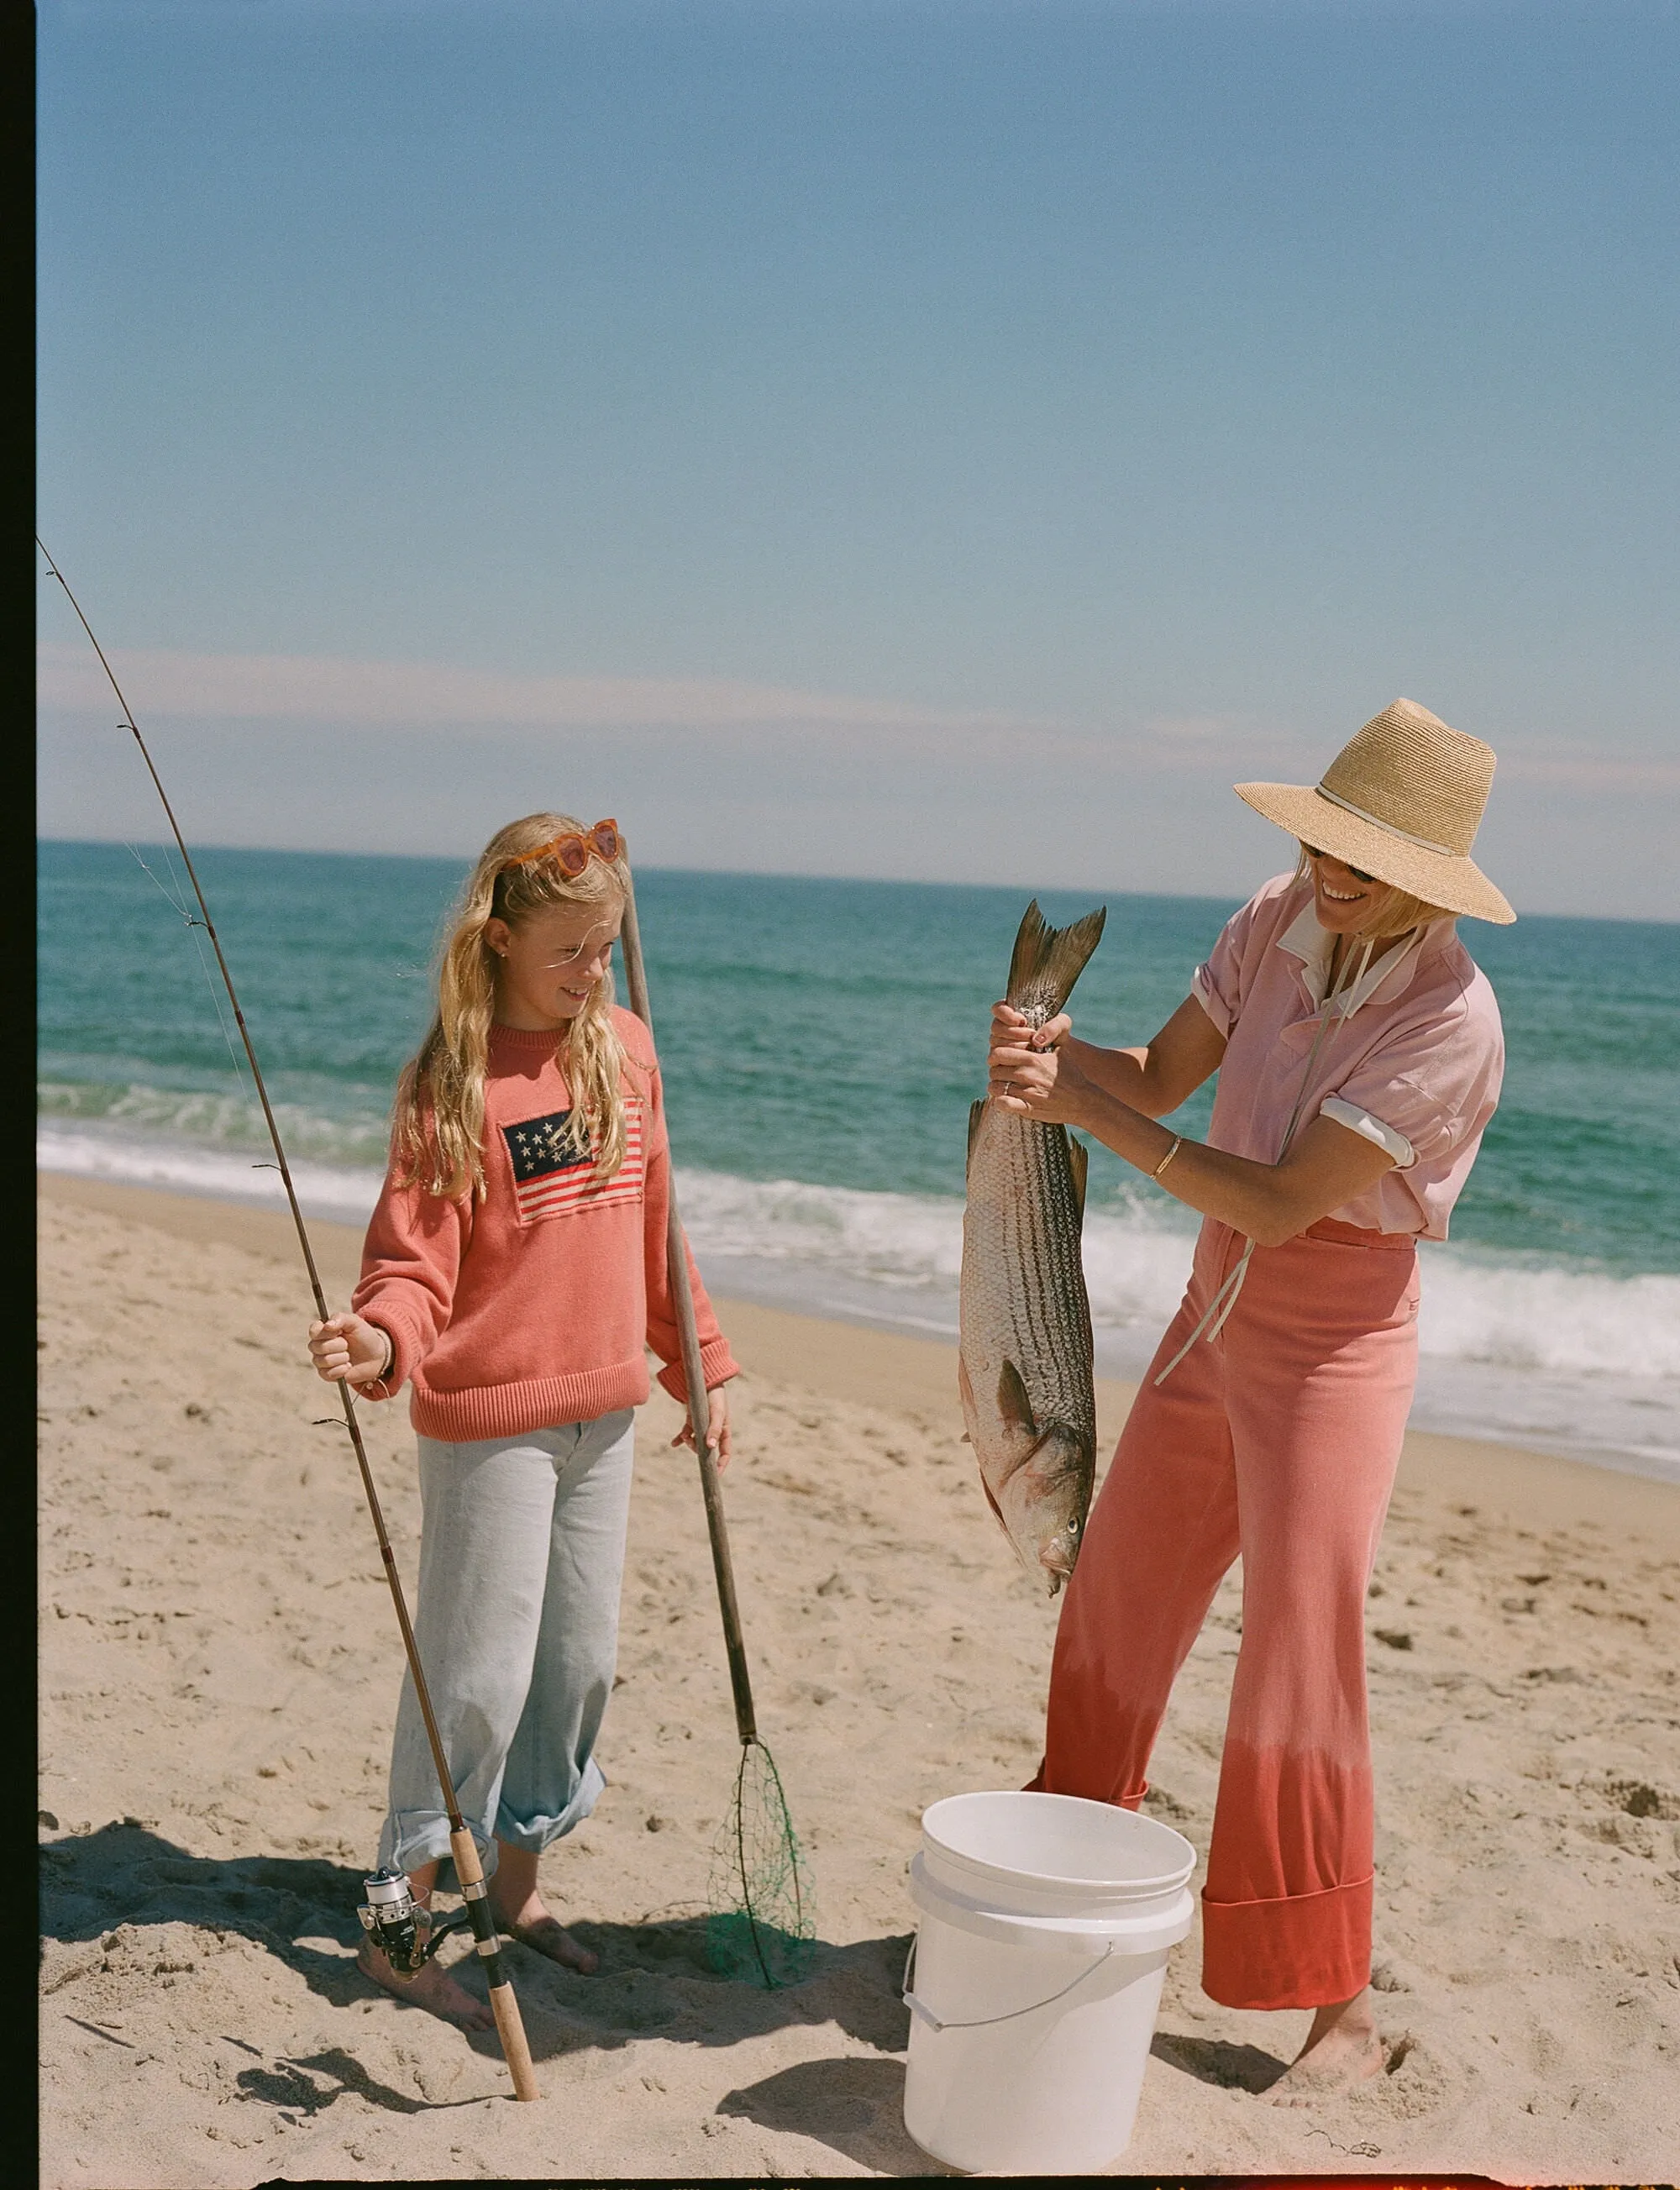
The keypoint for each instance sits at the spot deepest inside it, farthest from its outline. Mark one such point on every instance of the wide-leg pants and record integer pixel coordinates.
(1278, 1440)
(521, 1562)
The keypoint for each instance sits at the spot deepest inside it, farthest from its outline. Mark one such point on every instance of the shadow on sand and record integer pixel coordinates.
(1216, 2061)
(851, 2104)
(653, 1975)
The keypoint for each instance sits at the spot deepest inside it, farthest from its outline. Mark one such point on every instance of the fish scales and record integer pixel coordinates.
(1025, 1357)
(1039, 1229)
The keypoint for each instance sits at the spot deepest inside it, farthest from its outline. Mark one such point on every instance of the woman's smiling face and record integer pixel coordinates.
(1345, 901)
(550, 962)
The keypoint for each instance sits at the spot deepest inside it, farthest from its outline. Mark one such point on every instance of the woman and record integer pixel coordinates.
(1359, 1057)
(515, 1268)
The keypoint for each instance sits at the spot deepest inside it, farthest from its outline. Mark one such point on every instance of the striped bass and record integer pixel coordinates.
(1025, 1361)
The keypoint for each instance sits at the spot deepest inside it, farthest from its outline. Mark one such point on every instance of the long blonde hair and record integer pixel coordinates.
(437, 1137)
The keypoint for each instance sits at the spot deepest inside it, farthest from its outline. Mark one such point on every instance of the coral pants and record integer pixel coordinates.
(1278, 1440)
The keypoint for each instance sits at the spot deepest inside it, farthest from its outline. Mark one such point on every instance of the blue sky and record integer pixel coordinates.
(903, 439)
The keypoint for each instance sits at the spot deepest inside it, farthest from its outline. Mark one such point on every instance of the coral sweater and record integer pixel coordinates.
(532, 1307)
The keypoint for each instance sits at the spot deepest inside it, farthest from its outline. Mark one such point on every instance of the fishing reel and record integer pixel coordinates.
(403, 1932)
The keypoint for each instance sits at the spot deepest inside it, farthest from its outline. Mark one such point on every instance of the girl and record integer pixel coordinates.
(1359, 1057)
(514, 1268)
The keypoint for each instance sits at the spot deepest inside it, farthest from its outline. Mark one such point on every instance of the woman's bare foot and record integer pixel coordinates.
(1343, 2049)
(430, 1988)
(520, 1912)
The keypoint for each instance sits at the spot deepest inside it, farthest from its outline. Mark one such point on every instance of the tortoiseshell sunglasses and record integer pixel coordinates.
(573, 852)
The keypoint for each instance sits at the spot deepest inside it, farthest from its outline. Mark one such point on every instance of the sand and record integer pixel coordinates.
(220, 1666)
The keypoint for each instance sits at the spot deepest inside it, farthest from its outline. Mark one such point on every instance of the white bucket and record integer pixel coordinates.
(1045, 1923)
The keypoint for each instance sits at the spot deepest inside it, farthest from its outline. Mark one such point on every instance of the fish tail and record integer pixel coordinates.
(1048, 960)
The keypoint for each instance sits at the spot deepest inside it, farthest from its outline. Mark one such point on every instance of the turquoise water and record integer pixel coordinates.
(822, 1040)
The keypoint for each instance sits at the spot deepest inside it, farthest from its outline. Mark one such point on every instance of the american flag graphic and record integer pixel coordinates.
(551, 1179)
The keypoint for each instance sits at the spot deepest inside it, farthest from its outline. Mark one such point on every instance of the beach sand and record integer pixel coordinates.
(220, 1665)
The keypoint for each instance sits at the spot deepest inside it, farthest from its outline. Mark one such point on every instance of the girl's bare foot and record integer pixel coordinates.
(544, 1934)
(430, 1988)
(1343, 2049)
(521, 1913)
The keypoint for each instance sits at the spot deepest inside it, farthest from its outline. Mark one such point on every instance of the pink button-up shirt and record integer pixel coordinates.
(1416, 1067)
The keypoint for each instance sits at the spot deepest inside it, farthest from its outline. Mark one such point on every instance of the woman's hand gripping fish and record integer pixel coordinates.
(1025, 1362)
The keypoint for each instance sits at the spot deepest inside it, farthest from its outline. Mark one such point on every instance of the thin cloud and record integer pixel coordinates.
(166, 684)
(1590, 771)
(317, 689)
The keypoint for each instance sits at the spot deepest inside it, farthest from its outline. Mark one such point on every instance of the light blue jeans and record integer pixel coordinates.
(521, 1562)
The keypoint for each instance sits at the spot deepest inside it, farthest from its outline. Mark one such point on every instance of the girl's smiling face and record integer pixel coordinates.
(548, 962)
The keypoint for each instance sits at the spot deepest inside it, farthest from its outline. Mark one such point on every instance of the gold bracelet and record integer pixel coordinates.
(1176, 1144)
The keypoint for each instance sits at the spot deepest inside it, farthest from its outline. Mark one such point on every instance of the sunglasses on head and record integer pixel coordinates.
(573, 852)
(1358, 873)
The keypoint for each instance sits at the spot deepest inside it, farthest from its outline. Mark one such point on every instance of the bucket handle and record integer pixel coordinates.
(921, 2007)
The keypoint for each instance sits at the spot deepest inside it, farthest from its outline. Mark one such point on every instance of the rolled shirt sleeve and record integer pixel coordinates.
(1426, 1094)
(1370, 1129)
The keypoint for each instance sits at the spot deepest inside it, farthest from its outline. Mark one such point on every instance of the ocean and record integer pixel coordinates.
(821, 1042)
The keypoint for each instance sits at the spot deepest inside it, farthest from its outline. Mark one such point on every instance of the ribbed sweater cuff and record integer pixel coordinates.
(407, 1344)
(716, 1365)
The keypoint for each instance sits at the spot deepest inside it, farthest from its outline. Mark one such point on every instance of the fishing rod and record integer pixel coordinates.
(390, 1916)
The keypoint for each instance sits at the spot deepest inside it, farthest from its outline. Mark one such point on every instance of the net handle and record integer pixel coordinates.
(693, 1376)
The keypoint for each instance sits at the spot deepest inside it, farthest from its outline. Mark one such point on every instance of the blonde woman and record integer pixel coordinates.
(1359, 1052)
(515, 1271)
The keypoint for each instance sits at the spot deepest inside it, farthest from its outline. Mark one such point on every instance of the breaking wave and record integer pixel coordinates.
(1566, 1357)
(1477, 1307)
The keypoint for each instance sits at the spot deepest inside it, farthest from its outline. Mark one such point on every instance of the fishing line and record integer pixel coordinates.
(210, 983)
(402, 1930)
(191, 919)
(133, 850)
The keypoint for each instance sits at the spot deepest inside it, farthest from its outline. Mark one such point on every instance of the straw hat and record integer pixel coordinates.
(1400, 801)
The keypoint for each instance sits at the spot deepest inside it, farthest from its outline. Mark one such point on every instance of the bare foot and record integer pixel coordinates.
(1343, 2049)
(430, 1988)
(521, 1912)
(544, 1934)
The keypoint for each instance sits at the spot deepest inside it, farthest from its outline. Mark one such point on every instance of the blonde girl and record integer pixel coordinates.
(514, 1275)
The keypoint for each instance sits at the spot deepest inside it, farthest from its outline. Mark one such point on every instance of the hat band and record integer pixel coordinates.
(1423, 844)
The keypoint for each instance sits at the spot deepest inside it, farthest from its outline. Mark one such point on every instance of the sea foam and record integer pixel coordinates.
(1567, 1357)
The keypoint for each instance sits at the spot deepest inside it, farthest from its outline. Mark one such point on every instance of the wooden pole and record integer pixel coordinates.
(681, 1296)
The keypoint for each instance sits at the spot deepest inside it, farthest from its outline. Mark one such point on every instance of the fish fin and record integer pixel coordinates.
(1012, 1402)
(1079, 1162)
(976, 1112)
(1048, 960)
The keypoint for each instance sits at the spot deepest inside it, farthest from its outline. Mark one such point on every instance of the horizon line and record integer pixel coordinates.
(778, 874)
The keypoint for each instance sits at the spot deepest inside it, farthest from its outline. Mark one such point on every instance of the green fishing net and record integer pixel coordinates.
(762, 1924)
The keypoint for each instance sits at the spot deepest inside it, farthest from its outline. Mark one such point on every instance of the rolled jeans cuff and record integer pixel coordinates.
(536, 1834)
(413, 1837)
(410, 1838)
(1305, 1950)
